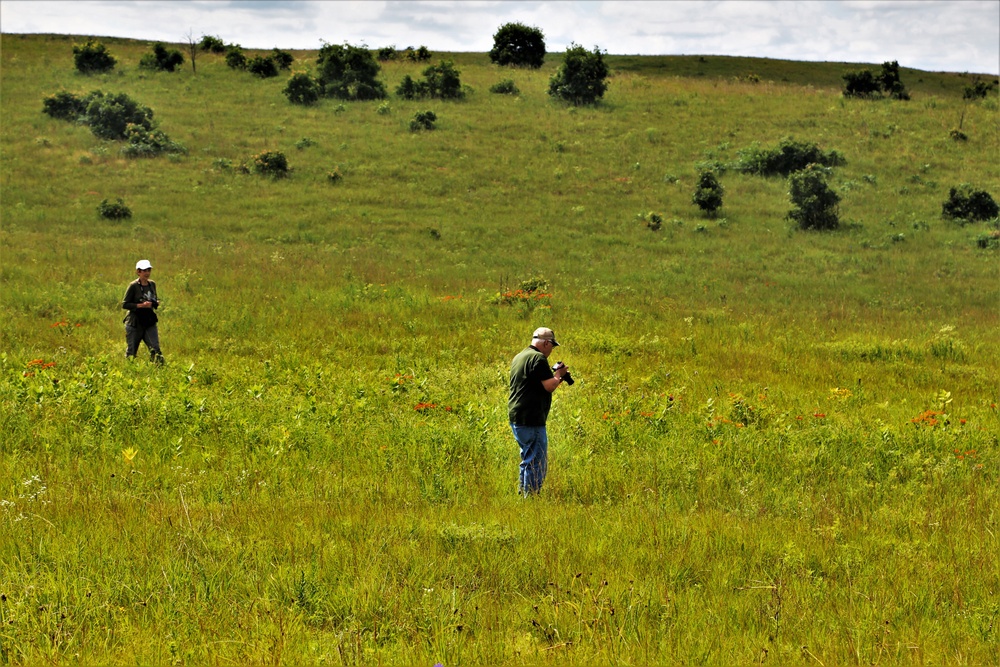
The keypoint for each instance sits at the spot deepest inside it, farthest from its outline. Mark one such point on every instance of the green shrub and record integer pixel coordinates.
(978, 90)
(162, 59)
(708, 193)
(788, 157)
(439, 81)
(653, 221)
(283, 59)
(143, 142)
(65, 106)
(335, 175)
(263, 67)
(581, 77)
(387, 53)
(419, 55)
(989, 240)
(93, 57)
(212, 44)
(302, 89)
(349, 73)
(815, 203)
(965, 204)
(409, 89)
(235, 58)
(505, 87)
(443, 81)
(871, 85)
(270, 163)
(116, 210)
(423, 120)
(109, 115)
(518, 45)
(384, 109)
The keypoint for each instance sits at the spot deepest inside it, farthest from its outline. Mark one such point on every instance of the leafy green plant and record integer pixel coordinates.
(93, 57)
(349, 72)
(235, 58)
(419, 55)
(505, 87)
(114, 210)
(966, 204)
(518, 45)
(65, 106)
(302, 89)
(283, 59)
(305, 142)
(263, 67)
(789, 156)
(145, 142)
(815, 203)
(162, 59)
(872, 85)
(580, 80)
(212, 44)
(269, 163)
(708, 193)
(423, 120)
(387, 53)
(109, 114)
(439, 81)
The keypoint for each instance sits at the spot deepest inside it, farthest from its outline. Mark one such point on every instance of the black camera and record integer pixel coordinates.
(567, 378)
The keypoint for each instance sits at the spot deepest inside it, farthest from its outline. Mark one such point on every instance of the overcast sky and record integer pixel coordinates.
(937, 35)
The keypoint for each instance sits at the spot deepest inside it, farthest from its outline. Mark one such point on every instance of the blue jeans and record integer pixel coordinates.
(534, 443)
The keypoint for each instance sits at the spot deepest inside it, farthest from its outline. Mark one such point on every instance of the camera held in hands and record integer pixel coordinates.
(566, 377)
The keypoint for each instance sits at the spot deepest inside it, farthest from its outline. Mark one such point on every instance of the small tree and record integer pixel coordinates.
(93, 57)
(64, 106)
(162, 59)
(419, 55)
(966, 204)
(262, 66)
(815, 203)
(109, 115)
(708, 194)
(114, 210)
(235, 58)
(349, 73)
(387, 53)
(212, 44)
(283, 59)
(443, 81)
(869, 84)
(423, 120)
(580, 79)
(302, 89)
(517, 45)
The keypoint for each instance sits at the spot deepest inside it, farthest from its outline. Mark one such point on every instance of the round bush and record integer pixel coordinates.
(93, 57)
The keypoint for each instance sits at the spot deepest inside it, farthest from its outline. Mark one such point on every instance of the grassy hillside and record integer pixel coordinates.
(781, 445)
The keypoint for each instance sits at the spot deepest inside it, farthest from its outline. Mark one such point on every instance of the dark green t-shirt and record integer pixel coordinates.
(529, 401)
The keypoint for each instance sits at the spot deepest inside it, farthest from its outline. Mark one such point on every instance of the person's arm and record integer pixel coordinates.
(129, 302)
(551, 384)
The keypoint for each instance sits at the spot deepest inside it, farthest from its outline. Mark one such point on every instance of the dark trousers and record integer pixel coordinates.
(147, 335)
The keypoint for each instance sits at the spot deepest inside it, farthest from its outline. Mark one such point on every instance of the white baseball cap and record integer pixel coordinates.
(143, 264)
(544, 333)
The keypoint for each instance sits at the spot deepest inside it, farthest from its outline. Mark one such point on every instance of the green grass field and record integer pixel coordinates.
(781, 448)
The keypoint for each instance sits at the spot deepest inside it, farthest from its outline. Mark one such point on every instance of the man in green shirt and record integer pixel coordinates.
(531, 385)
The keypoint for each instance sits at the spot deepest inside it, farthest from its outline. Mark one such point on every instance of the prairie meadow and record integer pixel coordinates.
(781, 447)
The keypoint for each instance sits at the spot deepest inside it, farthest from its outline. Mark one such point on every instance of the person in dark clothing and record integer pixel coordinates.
(531, 385)
(141, 303)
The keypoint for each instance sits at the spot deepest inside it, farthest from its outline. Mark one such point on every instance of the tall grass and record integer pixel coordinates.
(781, 446)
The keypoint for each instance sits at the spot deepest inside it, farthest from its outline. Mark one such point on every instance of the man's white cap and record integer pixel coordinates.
(542, 333)
(143, 264)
